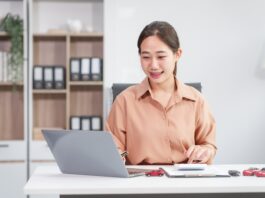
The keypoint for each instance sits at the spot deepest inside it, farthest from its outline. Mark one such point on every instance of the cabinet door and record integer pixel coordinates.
(12, 179)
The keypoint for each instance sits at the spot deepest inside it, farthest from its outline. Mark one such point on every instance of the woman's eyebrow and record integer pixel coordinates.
(145, 52)
(161, 52)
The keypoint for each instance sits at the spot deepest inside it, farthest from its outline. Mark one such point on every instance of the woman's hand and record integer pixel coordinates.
(123, 155)
(199, 154)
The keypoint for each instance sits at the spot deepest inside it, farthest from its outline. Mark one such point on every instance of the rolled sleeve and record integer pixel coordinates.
(205, 133)
(116, 124)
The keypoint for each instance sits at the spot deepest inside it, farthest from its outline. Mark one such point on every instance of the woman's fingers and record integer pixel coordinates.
(197, 154)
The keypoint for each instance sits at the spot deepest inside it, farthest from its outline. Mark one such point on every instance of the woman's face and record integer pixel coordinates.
(157, 59)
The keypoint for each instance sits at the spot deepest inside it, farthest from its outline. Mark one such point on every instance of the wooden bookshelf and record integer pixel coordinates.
(11, 102)
(53, 108)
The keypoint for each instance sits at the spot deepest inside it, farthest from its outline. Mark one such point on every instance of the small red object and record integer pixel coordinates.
(260, 173)
(159, 172)
(250, 171)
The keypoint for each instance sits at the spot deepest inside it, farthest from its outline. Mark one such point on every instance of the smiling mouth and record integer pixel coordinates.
(156, 75)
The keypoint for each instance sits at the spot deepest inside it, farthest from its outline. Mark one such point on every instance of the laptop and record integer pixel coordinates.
(88, 153)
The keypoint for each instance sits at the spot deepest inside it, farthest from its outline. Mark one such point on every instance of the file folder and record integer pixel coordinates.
(59, 77)
(85, 69)
(96, 69)
(48, 77)
(75, 69)
(38, 77)
(75, 123)
(85, 123)
(96, 123)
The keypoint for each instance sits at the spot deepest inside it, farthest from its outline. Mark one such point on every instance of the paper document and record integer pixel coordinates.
(209, 171)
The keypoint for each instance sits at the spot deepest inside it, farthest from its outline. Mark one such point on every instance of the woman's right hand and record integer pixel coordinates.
(123, 155)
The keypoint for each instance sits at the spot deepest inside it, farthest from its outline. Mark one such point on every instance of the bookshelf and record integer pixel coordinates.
(52, 108)
(11, 100)
(13, 109)
(54, 45)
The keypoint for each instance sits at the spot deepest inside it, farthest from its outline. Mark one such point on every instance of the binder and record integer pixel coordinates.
(96, 123)
(85, 123)
(48, 77)
(75, 69)
(38, 77)
(59, 77)
(85, 69)
(96, 69)
(75, 123)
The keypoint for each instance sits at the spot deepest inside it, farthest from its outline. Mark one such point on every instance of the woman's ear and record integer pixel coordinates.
(178, 54)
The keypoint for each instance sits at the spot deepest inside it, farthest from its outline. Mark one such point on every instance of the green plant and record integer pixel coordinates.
(13, 26)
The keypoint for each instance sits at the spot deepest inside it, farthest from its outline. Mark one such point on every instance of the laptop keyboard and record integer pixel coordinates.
(137, 170)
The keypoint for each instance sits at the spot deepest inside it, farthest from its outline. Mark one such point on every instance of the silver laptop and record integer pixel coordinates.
(87, 153)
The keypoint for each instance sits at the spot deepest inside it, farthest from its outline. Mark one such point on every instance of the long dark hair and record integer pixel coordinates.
(165, 32)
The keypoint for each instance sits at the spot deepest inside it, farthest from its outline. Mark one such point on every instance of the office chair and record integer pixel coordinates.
(117, 88)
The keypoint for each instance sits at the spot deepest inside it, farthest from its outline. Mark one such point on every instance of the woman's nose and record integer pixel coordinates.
(154, 64)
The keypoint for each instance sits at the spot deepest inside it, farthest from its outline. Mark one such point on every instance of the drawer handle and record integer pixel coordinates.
(4, 145)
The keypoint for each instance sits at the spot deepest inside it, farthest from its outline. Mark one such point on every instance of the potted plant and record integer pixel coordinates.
(13, 26)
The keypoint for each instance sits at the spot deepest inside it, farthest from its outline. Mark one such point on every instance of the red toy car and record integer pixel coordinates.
(260, 173)
(158, 172)
(250, 171)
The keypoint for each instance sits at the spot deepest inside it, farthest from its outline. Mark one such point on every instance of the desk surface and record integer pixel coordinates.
(49, 180)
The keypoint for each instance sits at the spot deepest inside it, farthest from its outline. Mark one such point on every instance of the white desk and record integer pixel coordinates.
(49, 180)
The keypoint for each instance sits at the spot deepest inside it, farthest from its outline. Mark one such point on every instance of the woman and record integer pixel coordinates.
(161, 120)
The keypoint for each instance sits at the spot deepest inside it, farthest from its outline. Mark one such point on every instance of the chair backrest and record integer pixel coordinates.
(117, 88)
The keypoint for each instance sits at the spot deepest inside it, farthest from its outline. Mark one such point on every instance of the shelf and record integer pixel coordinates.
(47, 35)
(87, 34)
(49, 91)
(86, 83)
(64, 34)
(3, 34)
(7, 84)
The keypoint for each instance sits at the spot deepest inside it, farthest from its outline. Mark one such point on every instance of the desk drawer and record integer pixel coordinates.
(12, 150)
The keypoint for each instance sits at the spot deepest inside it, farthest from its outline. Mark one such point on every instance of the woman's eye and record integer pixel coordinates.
(161, 57)
(145, 57)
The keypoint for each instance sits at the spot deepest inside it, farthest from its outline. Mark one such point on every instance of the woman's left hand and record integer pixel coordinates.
(199, 154)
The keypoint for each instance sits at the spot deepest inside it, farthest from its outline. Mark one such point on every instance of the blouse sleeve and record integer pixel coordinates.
(205, 128)
(116, 123)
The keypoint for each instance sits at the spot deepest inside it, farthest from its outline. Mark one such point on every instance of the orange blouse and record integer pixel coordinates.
(153, 134)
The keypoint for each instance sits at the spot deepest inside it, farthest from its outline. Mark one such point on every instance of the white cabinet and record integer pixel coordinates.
(13, 111)
(12, 179)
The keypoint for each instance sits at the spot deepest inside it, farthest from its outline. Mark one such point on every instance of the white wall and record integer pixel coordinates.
(54, 14)
(223, 46)
(14, 7)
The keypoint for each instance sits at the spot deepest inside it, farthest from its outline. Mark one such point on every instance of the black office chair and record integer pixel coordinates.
(119, 87)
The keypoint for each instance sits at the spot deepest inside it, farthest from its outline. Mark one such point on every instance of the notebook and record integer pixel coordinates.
(190, 171)
(88, 153)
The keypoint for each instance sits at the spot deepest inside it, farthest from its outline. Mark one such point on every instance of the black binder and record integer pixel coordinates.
(48, 77)
(38, 77)
(96, 69)
(59, 77)
(85, 69)
(96, 123)
(75, 69)
(75, 123)
(85, 123)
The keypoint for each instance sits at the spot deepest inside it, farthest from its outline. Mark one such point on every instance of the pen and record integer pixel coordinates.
(125, 153)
